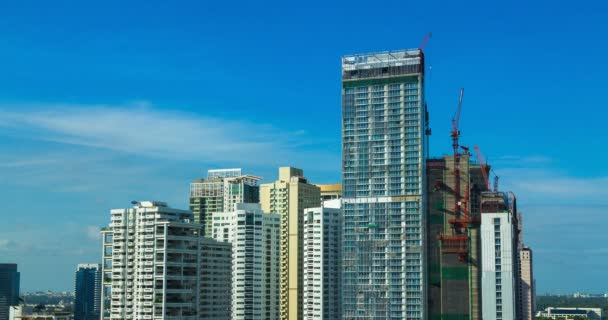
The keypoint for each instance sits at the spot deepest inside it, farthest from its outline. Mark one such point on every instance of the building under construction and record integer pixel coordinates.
(454, 274)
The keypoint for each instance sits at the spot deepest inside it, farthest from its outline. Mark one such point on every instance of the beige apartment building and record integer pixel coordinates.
(288, 197)
(527, 285)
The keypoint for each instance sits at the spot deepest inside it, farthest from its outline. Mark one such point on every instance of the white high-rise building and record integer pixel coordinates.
(255, 239)
(153, 266)
(499, 265)
(322, 263)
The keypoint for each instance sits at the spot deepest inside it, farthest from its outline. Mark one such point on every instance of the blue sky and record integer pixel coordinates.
(103, 103)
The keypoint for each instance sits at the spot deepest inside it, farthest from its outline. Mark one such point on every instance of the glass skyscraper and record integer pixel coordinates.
(384, 122)
(87, 292)
(9, 288)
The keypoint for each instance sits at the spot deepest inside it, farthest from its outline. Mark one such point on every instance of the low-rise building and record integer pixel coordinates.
(571, 313)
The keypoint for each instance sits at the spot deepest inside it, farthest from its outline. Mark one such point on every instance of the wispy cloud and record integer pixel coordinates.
(6, 244)
(511, 160)
(146, 131)
(93, 233)
(546, 183)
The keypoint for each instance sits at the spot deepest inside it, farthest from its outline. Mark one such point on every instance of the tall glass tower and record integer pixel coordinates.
(87, 292)
(384, 121)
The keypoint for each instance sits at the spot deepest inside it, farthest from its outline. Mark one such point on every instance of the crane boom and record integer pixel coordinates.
(456, 118)
(483, 167)
(424, 41)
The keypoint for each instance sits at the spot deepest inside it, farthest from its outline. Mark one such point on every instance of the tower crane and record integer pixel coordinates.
(484, 167)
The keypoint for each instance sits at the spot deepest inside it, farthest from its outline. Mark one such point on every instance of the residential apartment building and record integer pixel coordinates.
(9, 288)
(219, 192)
(287, 197)
(152, 266)
(384, 121)
(87, 292)
(255, 238)
(499, 264)
(322, 264)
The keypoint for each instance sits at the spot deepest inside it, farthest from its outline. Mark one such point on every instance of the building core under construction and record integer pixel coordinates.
(453, 237)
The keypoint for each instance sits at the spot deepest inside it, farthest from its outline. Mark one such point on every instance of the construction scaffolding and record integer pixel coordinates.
(454, 192)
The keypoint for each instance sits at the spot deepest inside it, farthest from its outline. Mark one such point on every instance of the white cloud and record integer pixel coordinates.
(549, 185)
(93, 233)
(522, 160)
(7, 244)
(142, 130)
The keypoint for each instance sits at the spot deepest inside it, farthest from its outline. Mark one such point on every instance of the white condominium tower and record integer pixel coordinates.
(499, 255)
(322, 263)
(157, 265)
(383, 181)
(255, 237)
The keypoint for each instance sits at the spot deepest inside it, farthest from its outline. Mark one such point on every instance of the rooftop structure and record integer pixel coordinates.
(330, 191)
(380, 64)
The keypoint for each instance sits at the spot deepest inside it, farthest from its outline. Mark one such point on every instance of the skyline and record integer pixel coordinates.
(179, 77)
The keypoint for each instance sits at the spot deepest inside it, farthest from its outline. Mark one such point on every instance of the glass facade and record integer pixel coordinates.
(383, 147)
(87, 291)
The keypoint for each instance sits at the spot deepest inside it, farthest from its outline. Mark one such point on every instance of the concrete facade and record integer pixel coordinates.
(454, 282)
(528, 285)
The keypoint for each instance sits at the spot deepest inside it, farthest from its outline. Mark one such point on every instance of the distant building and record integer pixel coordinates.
(254, 237)
(9, 288)
(322, 264)
(569, 313)
(528, 285)
(287, 197)
(22, 312)
(330, 191)
(499, 264)
(220, 192)
(87, 292)
(152, 266)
